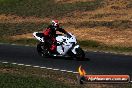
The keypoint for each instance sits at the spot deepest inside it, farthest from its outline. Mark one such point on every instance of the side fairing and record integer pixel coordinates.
(66, 43)
(37, 37)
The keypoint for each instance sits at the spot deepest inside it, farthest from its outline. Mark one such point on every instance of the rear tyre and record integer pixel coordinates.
(41, 50)
(80, 55)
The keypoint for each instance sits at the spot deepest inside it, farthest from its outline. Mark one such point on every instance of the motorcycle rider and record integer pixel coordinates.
(50, 35)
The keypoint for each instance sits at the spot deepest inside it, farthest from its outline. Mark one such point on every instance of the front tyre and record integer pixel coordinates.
(80, 55)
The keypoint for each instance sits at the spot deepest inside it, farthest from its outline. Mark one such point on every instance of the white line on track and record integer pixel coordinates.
(14, 63)
(76, 72)
(40, 67)
(27, 65)
(56, 69)
(20, 64)
(69, 71)
(63, 70)
(27, 45)
(36, 66)
(13, 44)
(4, 62)
(49, 68)
(107, 52)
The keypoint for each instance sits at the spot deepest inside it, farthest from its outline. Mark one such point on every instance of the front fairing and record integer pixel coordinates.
(66, 43)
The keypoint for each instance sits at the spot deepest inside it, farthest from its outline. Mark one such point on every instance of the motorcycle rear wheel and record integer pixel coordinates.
(41, 50)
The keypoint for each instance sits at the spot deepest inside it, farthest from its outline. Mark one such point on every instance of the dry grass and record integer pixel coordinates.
(23, 36)
(105, 35)
(112, 10)
(71, 1)
(18, 19)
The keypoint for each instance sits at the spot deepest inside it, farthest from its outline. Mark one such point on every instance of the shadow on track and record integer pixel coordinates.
(70, 58)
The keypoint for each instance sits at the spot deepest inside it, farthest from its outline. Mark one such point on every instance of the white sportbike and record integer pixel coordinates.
(66, 46)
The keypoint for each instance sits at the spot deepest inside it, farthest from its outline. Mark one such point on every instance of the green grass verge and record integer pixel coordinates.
(14, 76)
(99, 46)
(18, 81)
(22, 41)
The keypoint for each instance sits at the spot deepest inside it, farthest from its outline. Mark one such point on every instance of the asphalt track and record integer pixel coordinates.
(99, 63)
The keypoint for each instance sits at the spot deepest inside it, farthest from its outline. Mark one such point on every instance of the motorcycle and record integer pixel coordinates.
(66, 46)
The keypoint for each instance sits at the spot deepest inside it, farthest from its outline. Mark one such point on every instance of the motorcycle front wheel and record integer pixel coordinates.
(80, 55)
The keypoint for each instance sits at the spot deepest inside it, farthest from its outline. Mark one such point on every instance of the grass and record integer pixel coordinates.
(9, 29)
(99, 46)
(89, 43)
(7, 1)
(102, 15)
(129, 5)
(118, 24)
(39, 8)
(18, 81)
(22, 41)
(14, 76)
